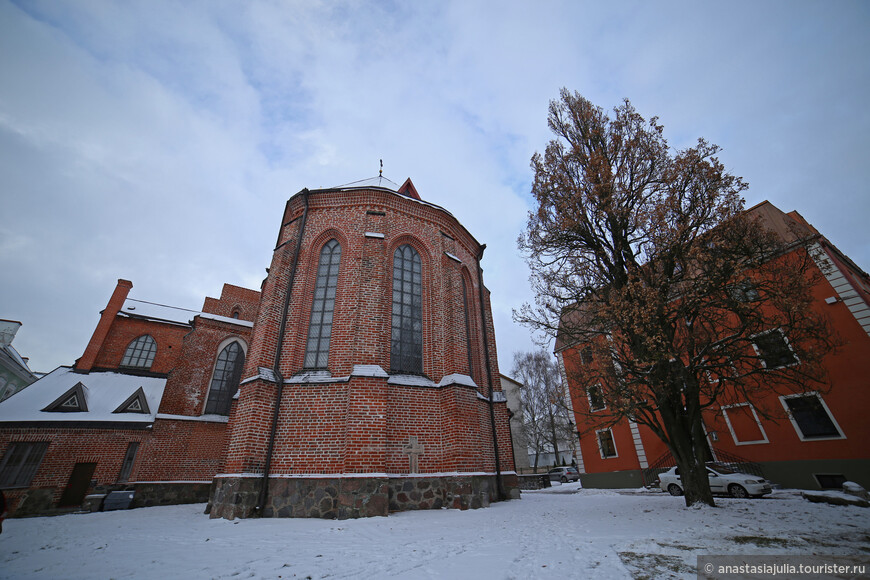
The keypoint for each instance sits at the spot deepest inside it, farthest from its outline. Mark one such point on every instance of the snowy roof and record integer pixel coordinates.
(377, 181)
(104, 393)
(226, 319)
(153, 311)
(19, 365)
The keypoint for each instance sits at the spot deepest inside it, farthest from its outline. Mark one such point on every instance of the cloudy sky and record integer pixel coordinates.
(158, 141)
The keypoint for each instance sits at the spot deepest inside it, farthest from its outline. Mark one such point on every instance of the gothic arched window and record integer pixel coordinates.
(406, 348)
(140, 353)
(320, 325)
(468, 349)
(225, 381)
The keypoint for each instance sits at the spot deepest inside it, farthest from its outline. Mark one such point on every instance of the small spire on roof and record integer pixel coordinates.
(381, 172)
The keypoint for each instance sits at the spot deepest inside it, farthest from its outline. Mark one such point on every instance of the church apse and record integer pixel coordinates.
(371, 382)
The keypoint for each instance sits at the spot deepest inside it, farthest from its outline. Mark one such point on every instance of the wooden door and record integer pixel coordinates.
(78, 485)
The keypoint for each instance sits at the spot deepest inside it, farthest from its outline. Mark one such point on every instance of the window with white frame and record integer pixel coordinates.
(605, 443)
(140, 353)
(718, 368)
(811, 417)
(596, 398)
(744, 424)
(774, 350)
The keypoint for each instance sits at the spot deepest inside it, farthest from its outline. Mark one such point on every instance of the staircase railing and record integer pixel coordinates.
(666, 461)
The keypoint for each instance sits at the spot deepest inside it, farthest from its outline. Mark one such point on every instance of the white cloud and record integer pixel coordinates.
(159, 141)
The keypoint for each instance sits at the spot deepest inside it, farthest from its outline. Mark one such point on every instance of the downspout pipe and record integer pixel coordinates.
(501, 492)
(276, 367)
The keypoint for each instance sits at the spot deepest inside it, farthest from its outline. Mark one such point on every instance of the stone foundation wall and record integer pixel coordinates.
(354, 497)
(534, 481)
(43, 501)
(151, 494)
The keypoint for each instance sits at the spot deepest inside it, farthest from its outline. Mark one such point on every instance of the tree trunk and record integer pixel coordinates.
(691, 460)
(555, 439)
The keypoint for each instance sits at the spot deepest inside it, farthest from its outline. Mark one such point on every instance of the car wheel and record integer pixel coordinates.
(737, 491)
(674, 489)
(564, 479)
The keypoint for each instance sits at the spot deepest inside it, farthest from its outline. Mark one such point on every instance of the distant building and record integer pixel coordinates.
(511, 390)
(14, 372)
(821, 440)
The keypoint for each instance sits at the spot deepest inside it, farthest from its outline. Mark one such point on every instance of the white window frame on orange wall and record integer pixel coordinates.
(764, 438)
(612, 440)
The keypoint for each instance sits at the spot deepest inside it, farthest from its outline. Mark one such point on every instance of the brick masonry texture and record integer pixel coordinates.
(359, 425)
(177, 458)
(346, 435)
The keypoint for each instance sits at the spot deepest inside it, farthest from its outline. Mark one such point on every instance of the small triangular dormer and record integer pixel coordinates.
(72, 401)
(409, 190)
(135, 403)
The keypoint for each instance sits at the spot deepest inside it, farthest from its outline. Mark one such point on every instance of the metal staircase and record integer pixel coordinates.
(666, 461)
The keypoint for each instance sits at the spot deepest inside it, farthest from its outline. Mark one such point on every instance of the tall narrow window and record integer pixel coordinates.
(596, 398)
(406, 352)
(467, 327)
(605, 443)
(129, 458)
(320, 327)
(140, 353)
(225, 382)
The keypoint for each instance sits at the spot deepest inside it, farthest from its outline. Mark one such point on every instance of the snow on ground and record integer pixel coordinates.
(560, 532)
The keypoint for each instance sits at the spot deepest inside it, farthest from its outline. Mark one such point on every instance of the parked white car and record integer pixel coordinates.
(564, 474)
(722, 479)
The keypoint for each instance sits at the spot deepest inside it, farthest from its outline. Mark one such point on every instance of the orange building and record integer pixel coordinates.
(817, 440)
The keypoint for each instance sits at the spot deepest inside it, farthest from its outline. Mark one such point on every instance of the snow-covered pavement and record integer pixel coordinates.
(562, 532)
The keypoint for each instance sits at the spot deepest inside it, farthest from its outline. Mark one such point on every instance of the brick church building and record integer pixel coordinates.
(361, 379)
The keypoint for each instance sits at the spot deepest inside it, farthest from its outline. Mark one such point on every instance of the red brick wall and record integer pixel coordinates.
(125, 330)
(105, 447)
(361, 327)
(188, 386)
(181, 450)
(361, 425)
(116, 302)
(234, 299)
(171, 451)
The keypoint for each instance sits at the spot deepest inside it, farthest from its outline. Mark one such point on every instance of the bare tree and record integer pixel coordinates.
(646, 260)
(546, 423)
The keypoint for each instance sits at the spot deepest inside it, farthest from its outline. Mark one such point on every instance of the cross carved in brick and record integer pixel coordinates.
(413, 450)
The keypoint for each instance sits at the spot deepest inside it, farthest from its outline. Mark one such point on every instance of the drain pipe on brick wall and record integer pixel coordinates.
(276, 368)
(501, 492)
